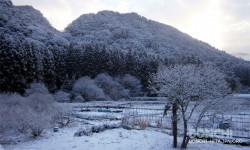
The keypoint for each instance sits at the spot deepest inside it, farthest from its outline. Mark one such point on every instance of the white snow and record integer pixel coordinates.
(116, 139)
(1, 148)
(242, 95)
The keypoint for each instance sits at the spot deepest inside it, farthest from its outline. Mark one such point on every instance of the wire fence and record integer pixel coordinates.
(230, 126)
(211, 125)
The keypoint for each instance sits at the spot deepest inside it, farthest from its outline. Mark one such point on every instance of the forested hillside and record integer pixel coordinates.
(31, 50)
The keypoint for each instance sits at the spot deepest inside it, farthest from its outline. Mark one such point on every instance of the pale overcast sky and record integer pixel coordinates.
(224, 24)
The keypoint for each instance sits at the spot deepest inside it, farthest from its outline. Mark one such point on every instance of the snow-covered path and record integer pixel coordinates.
(116, 139)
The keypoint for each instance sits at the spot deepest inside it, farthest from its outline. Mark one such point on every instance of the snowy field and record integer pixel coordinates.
(116, 139)
(93, 114)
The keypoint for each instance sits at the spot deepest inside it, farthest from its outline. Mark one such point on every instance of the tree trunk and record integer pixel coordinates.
(174, 124)
(185, 136)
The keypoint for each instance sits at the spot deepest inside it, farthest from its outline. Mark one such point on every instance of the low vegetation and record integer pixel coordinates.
(87, 131)
(102, 87)
(29, 116)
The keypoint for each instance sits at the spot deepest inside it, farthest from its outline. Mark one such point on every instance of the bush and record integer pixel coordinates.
(41, 112)
(63, 116)
(127, 124)
(38, 122)
(11, 107)
(95, 129)
(84, 131)
(62, 96)
(25, 115)
(76, 97)
(36, 88)
(131, 123)
(113, 89)
(142, 123)
(88, 90)
(132, 84)
(79, 98)
(40, 103)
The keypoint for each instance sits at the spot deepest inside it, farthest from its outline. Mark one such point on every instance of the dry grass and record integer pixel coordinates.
(142, 123)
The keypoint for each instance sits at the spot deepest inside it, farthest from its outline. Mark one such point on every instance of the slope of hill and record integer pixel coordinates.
(130, 31)
(96, 43)
(113, 30)
(245, 56)
(25, 22)
(133, 32)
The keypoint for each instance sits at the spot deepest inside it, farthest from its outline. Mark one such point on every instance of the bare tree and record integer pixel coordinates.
(41, 114)
(188, 88)
(63, 115)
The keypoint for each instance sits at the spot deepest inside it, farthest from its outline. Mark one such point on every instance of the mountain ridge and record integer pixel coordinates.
(123, 31)
(159, 38)
(130, 31)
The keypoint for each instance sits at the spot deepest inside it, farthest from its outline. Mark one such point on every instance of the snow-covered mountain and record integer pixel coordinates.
(113, 30)
(131, 31)
(30, 45)
(25, 22)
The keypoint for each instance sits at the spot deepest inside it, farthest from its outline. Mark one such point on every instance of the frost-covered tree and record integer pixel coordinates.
(25, 115)
(40, 108)
(78, 98)
(63, 115)
(86, 87)
(132, 84)
(61, 96)
(111, 87)
(49, 74)
(11, 107)
(188, 87)
(36, 88)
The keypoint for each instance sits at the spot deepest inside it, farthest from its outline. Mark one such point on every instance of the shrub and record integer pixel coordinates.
(39, 103)
(132, 84)
(63, 116)
(25, 115)
(131, 123)
(84, 131)
(142, 123)
(113, 89)
(62, 96)
(41, 112)
(36, 88)
(88, 90)
(38, 122)
(78, 98)
(126, 123)
(95, 129)
(12, 107)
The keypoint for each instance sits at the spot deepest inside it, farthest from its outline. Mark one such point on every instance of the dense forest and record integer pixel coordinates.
(22, 64)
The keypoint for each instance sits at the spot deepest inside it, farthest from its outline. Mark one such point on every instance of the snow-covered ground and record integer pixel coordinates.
(116, 139)
(242, 95)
